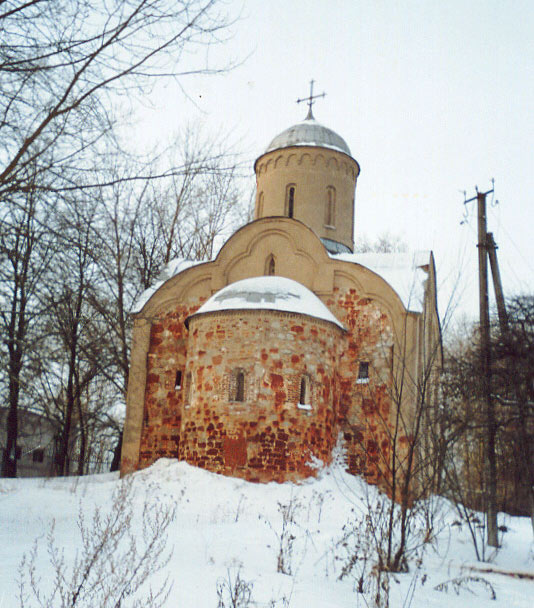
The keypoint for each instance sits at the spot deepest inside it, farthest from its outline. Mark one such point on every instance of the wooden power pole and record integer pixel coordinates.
(485, 360)
(499, 295)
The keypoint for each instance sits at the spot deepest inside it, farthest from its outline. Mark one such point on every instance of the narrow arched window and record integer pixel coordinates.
(240, 386)
(303, 396)
(305, 393)
(270, 266)
(290, 200)
(178, 380)
(330, 210)
(237, 386)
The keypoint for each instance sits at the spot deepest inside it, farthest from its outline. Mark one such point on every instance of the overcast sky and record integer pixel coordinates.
(433, 97)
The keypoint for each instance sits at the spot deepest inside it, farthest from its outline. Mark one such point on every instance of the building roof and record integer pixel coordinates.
(405, 272)
(268, 293)
(173, 268)
(309, 133)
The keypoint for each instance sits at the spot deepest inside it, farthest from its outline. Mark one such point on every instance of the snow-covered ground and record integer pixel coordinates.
(224, 526)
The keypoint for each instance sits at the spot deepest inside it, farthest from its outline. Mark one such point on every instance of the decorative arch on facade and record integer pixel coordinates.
(333, 163)
(383, 294)
(184, 286)
(305, 157)
(278, 161)
(291, 160)
(268, 165)
(319, 159)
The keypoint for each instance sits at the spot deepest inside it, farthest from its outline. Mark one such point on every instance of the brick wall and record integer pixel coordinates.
(365, 406)
(162, 416)
(268, 435)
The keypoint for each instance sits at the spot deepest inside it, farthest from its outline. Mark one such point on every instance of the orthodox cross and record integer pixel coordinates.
(310, 100)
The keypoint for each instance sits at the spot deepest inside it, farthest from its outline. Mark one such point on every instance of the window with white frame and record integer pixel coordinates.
(363, 373)
(305, 393)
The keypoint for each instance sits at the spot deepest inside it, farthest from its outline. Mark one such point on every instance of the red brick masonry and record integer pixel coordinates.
(265, 434)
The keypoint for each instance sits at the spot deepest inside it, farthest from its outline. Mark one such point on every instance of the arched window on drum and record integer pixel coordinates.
(330, 209)
(290, 200)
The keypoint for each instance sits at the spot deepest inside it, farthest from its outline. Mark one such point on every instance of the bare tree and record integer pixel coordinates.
(65, 66)
(383, 243)
(25, 255)
(465, 422)
(200, 203)
(514, 393)
(512, 358)
(396, 450)
(66, 70)
(73, 356)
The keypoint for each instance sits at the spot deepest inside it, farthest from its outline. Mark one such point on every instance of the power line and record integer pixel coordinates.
(512, 240)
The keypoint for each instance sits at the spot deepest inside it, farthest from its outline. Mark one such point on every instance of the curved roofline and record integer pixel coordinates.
(301, 146)
(146, 295)
(318, 250)
(265, 292)
(326, 253)
(253, 310)
(398, 295)
(311, 131)
(266, 219)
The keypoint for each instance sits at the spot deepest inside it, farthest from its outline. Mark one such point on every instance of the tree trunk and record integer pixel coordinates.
(9, 460)
(116, 462)
(62, 460)
(16, 337)
(83, 434)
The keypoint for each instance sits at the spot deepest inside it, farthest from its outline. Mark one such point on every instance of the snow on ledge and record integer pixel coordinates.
(403, 271)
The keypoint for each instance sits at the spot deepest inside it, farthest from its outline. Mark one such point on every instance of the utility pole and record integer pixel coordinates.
(499, 296)
(485, 360)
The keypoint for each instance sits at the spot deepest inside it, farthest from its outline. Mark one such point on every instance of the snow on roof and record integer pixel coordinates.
(309, 133)
(269, 293)
(173, 268)
(401, 270)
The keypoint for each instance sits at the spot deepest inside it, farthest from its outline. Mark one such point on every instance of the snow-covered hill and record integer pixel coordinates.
(225, 528)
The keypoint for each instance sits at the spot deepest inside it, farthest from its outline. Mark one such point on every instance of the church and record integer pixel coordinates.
(287, 346)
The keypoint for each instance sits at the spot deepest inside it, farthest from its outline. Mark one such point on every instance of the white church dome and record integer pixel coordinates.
(309, 133)
(268, 293)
